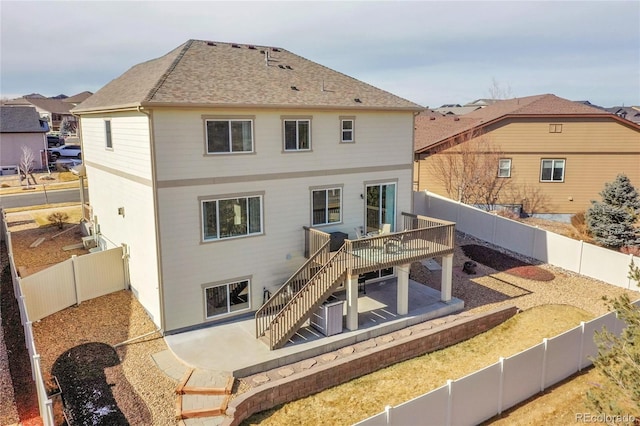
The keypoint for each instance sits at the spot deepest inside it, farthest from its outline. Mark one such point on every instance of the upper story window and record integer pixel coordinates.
(552, 170)
(231, 217)
(297, 134)
(326, 206)
(107, 133)
(555, 128)
(347, 128)
(504, 167)
(229, 135)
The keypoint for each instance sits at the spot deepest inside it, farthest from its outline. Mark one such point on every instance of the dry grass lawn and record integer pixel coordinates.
(368, 395)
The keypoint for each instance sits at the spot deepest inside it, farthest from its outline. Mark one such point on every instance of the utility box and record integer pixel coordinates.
(328, 318)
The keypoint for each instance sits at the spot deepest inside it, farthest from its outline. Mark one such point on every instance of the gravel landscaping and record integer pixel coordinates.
(140, 393)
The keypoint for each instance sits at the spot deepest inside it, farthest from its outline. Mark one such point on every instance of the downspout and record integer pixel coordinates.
(81, 177)
(413, 160)
(154, 189)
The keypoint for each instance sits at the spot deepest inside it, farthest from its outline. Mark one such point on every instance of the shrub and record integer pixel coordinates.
(58, 219)
(634, 250)
(509, 214)
(611, 221)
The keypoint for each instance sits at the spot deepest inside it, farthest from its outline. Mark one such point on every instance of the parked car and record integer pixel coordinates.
(53, 141)
(65, 151)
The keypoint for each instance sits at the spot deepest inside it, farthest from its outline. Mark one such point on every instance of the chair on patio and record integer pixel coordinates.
(361, 281)
(359, 232)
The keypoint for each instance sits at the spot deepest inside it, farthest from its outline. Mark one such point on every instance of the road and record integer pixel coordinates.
(37, 198)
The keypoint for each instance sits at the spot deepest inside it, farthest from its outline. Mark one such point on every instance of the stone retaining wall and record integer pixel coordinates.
(358, 364)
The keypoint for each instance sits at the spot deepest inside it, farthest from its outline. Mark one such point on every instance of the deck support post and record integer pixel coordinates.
(446, 279)
(403, 289)
(352, 302)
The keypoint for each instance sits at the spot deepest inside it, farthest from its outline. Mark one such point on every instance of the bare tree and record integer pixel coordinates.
(26, 165)
(497, 91)
(533, 199)
(467, 167)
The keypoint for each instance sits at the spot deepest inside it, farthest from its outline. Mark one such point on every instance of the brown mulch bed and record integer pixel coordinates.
(500, 261)
(101, 384)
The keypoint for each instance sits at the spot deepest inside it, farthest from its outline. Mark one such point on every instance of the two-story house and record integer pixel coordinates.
(21, 127)
(555, 154)
(219, 165)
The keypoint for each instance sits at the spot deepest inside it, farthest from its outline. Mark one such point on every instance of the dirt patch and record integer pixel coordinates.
(494, 259)
(531, 272)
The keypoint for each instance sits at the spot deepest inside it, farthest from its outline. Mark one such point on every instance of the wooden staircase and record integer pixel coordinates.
(293, 304)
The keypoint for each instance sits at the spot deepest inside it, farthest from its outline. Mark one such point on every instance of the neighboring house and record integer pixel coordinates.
(21, 126)
(557, 153)
(628, 113)
(208, 162)
(54, 110)
(456, 109)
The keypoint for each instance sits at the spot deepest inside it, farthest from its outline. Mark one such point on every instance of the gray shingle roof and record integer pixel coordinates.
(20, 119)
(201, 73)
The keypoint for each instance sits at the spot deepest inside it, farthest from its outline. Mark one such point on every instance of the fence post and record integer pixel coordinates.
(76, 278)
(501, 387)
(449, 402)
(581, 353)
(544, 365)
(387, 412)
(580, 257)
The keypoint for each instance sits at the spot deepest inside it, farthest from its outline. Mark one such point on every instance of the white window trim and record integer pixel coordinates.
(108, 135)
(204, 200)
(227, 284)
(325, 189)
(284, 134)
(228, 120)
(352, 130)
(553, 162)
(507, 169)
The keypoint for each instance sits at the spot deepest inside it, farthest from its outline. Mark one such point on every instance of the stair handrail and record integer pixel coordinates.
(319, 295)
(265, 310)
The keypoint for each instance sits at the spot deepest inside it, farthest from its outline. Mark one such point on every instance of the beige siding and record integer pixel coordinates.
(595, 152)
(130, 137)
(110, 191)
(180, 144)
(270, 258)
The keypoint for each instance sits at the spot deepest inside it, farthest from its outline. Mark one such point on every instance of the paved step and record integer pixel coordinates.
(203, 395)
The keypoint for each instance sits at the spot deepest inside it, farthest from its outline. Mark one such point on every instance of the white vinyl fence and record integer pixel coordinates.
(58, 287)
(576, 256)
(488, 392)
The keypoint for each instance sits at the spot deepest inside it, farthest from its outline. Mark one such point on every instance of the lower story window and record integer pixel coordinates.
(552, 171)
(226, 298)
(231, 217)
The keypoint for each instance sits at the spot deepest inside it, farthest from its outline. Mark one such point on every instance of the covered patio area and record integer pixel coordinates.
(232, 347)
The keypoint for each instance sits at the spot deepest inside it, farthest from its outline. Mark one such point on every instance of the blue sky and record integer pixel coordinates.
(429, 52)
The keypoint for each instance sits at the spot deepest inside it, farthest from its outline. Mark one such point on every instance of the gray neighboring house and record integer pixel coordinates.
(21, 126)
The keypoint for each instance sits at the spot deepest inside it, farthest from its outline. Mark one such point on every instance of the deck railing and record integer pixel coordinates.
(283, 295)
(285, 312)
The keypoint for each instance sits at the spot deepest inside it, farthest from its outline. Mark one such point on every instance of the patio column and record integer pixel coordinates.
(446, 280)
(352, 302)
(403, 289)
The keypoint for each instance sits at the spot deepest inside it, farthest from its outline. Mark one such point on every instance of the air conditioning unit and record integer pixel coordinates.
(89, 242)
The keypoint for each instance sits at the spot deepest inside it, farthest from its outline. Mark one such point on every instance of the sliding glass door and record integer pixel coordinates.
(381, 206)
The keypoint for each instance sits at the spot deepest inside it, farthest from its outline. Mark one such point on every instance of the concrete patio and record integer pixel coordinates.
(233, 348)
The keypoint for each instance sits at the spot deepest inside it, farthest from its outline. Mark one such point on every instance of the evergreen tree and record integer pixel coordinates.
(618, 361)
(611, 221)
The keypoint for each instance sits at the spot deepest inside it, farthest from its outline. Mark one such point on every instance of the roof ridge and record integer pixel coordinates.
(534, 99)
(169, 70)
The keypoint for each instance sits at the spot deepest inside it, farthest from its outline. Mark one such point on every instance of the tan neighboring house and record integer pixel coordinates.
(225, 168)
(557, 154)
(21, 126)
